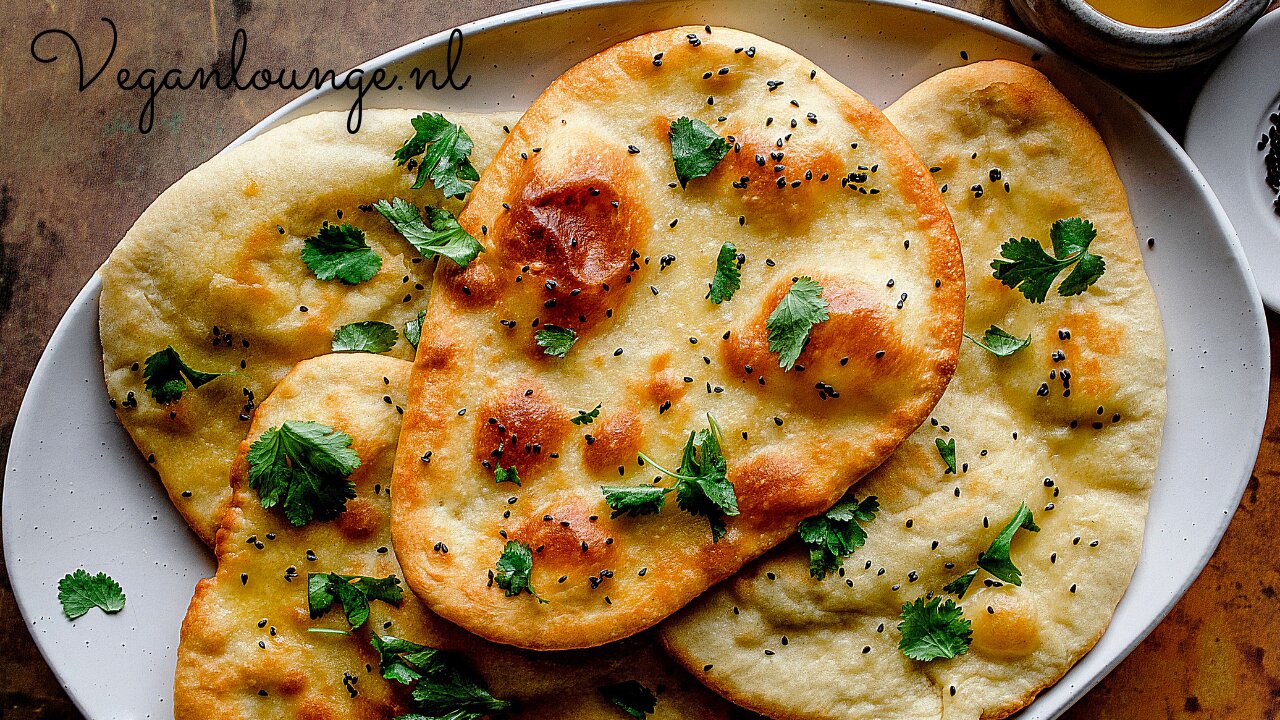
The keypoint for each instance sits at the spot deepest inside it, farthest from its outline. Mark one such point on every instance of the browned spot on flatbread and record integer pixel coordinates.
(292, 682)
(617, 436)
(570, 540)
(772, 484)
(1087, 352)
(662, 384)
(572, 231)
(858, 328)
(520, 427)
(760, 194)
(361, 520)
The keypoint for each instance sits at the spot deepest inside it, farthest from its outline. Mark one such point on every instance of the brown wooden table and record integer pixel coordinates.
(75, 173)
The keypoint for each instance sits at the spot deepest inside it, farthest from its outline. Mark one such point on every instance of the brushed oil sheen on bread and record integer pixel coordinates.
(247, 650)
(1069, 425)
(586, 335)
(213, 268)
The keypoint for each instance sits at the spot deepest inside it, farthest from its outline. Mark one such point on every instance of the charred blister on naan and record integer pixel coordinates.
(852, 353)
(572, 236)
(613, 440)
(771, 485)
(566, 536)
(1073, 361)
(782, 182)
(521, 427)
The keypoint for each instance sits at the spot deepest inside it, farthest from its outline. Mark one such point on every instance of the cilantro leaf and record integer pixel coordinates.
(728, 278)
(303, 467)
(446, 163)
(442, 236)
(934, 629)
(166, 376)
(702, 484)
(634, 500)
(695, 148)
(354, 593)
(999, 343)
(948, 452)
(995, 559)
(340, 251)
(837, 533)
(1025, 266)
(789, 323)
(444, 688)
(632, 698)
(80, 592)
(960, 585)
(555, 340)
(413, 329)
(368, 336)
(501, 474)
(586, 418)
(514, 568)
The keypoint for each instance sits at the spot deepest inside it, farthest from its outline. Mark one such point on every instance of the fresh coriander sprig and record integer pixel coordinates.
(632, 698)
(514, 570)
(695, 149)
(934, 629)
(166, 376)
(555, 340)
(728, 277)
(303, 467)
(443, 686)
(353, 592)
(509, 474)
(413, 329)
(439, 234)
(999, 343)
(995, 559)
(586, 417)
(789, 324)
(340, 251)
(634, 501)
(947, 449)
(368, 336)
(447, 161)
(1025, 265)
(80, 592)
(702, 484)
(836, 533)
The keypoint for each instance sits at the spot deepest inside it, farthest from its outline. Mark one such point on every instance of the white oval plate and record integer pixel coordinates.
(1228, 119)
(76, 493)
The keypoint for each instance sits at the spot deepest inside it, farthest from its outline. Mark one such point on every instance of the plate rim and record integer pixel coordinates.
(1202, 115)
(88, 293)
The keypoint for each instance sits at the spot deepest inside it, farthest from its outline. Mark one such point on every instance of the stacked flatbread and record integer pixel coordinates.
(247, 649)
(621, 326)
(1070, 425)
(591, 228)
(213, 268)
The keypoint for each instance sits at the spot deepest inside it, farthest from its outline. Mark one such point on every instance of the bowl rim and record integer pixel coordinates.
(1221, 22)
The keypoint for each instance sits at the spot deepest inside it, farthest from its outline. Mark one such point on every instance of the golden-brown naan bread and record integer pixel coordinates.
(587, 228)
(791, 646)
(213, 267)
(246, 652)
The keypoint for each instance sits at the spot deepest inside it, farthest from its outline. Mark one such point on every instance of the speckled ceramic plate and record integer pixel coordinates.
(76, 494)
(1230, 117)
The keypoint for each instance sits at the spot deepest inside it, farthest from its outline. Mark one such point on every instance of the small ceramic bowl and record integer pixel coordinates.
(1101, 40)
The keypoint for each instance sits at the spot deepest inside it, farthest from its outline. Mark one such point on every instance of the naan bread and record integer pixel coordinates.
(791, 646)
(246, 652)
(587, 228)
(214, 269)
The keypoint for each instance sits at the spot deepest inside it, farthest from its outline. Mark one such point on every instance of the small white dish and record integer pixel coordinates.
(76, 493)
(1229, 118)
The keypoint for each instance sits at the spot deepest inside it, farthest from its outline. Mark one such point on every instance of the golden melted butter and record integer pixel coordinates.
(1156, 13)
